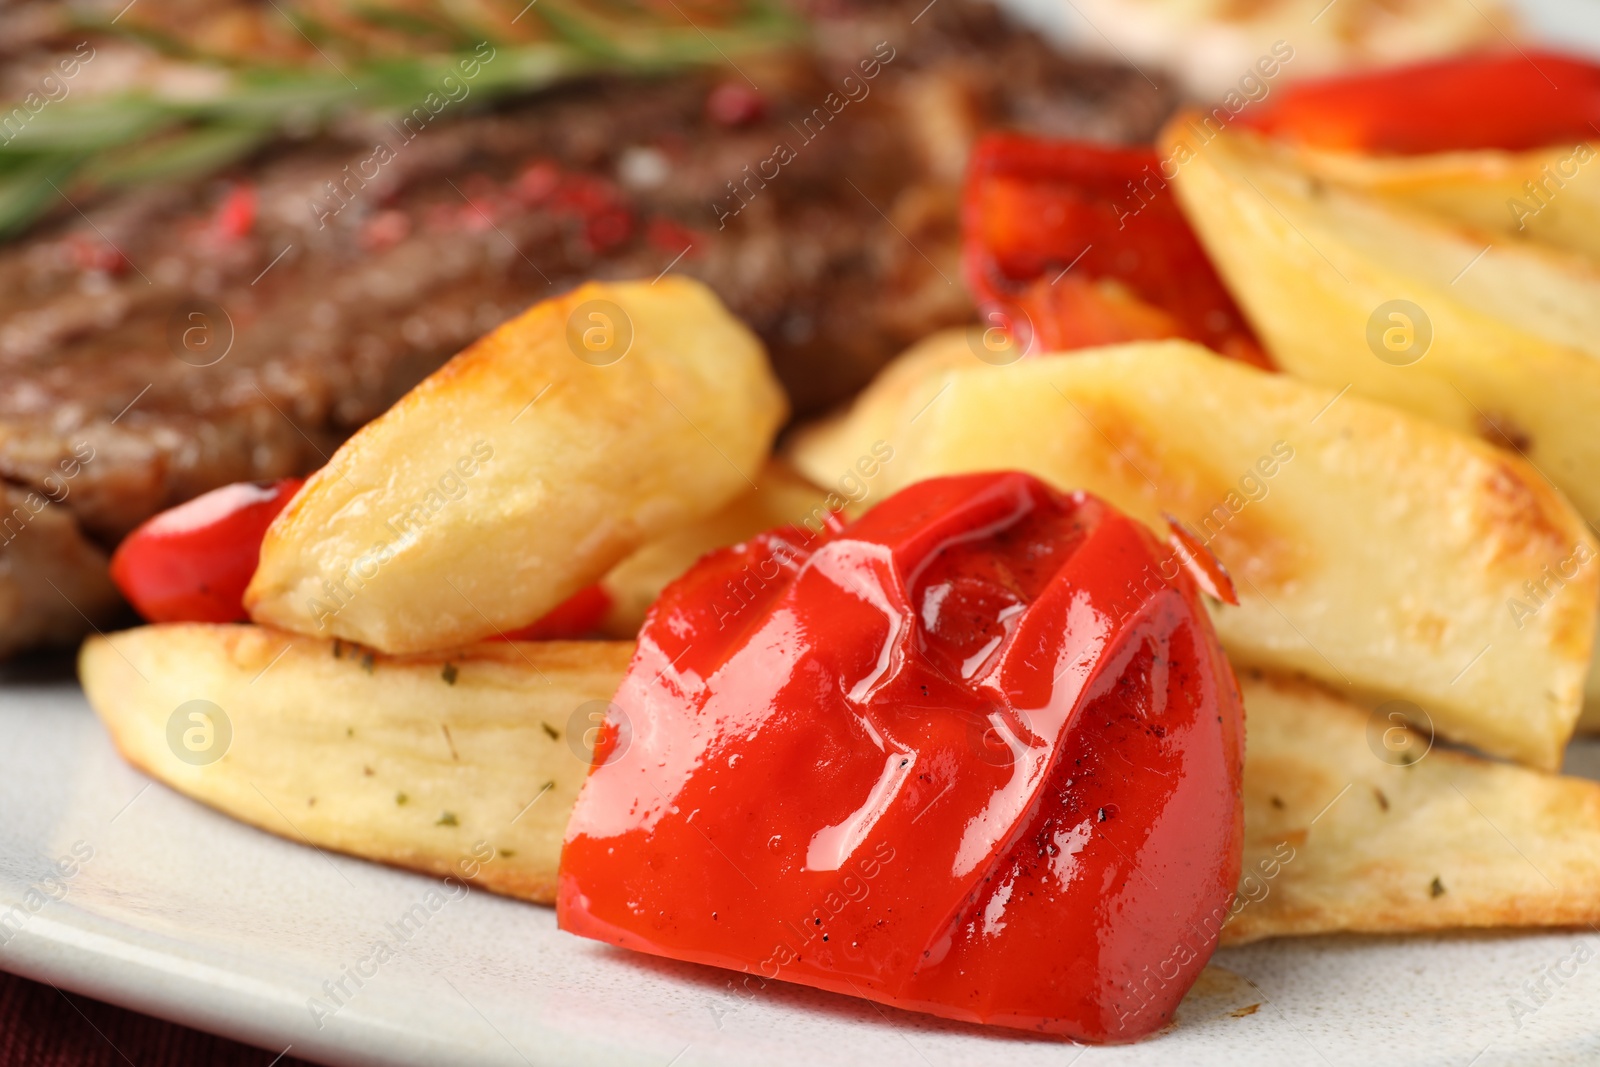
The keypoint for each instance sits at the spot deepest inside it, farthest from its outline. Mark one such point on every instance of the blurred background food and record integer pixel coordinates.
(233, 233)
(216, 274)
(1209, 45)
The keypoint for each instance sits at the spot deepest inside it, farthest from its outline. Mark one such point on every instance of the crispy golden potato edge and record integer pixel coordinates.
(110, 667)
(291, 565)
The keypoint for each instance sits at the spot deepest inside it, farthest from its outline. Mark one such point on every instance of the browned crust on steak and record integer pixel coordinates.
(52, 579)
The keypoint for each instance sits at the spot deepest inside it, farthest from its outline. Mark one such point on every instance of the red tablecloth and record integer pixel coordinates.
(43, 1027)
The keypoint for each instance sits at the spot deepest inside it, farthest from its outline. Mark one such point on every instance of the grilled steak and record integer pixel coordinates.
(162, 342)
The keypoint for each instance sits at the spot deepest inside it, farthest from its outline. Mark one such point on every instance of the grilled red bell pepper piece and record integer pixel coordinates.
(1038, 215)
(1514, 101)
(977, 754)
(191, 563)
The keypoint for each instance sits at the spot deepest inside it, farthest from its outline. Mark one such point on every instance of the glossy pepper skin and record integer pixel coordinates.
(191, 563)
(1513, 101)
(976, 754)
(1046, 223)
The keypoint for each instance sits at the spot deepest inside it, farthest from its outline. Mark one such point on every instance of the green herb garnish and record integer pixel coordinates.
(371, 59)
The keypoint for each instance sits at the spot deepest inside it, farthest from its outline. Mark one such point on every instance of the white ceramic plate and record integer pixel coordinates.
(182, 913)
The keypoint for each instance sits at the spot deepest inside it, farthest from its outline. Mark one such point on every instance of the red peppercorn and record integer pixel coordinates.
(536, 182)
(608, 228)
(385, 230)
(94, 253)
(236, 216)
(670, 237)
(735, 104)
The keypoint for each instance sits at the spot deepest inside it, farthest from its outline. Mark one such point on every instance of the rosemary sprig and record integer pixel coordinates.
(140, 134)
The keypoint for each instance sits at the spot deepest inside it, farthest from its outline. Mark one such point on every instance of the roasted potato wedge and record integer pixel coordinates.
(464, 763)
(1501, 339)
(524, 469)
(1551, 195)
(1372, 550)
(1589, 721)
(783, 498)
(1342, 833)
(381, 757)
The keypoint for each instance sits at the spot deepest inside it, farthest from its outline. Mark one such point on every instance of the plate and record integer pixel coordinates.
(117, 888)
